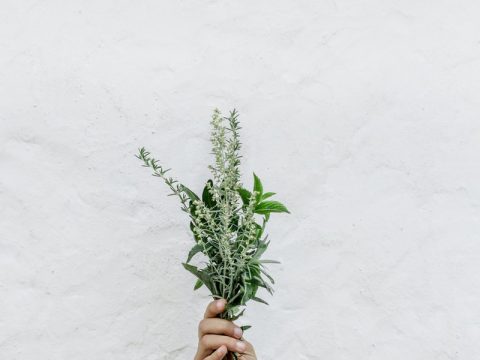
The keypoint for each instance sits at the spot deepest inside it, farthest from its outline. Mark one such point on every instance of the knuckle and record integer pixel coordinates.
(202, 326)
(204, 341)
(231, 342)
(225, 327)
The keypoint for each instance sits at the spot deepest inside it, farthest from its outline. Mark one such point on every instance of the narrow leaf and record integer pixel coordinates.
(268, 276)
(198, 284)
(269, 261)
(259, 300)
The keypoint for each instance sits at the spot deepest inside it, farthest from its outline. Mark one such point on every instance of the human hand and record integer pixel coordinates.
(218, 336)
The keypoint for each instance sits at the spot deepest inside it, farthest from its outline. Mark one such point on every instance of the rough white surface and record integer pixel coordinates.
(361, 115)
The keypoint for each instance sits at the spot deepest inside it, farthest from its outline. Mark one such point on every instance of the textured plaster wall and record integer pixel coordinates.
(362, 115)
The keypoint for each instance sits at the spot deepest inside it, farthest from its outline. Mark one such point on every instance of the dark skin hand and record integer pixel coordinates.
(218, 336)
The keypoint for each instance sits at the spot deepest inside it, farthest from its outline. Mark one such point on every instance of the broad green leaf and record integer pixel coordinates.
(192, 208)
(259, 231)
(190, 193)
(266, 207)
(245, 195)
(267, 195)
(207, 196)
(195, 250)
(199, 274)
(250, 290)
(235, 222)
(257, 186)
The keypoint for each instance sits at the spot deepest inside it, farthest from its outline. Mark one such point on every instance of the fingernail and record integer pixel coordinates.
(237, 332)
(241, 346)
(222, 350)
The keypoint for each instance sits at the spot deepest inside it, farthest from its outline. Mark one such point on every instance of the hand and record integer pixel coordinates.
(218, 336)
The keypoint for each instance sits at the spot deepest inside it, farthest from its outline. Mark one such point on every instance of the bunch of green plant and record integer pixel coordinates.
(227, 221)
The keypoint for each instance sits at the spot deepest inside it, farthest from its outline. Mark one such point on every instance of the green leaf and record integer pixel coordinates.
(195, 250)
(268, 276)
(259, 300)
(259, 231)
(257, 186)
(207, 196)
(235, 317)
(198, 284)
(267, 287)
(266, 207)
(249, 292)
(200, 275)
(192, 208)
(195, 236)
(269, 261)
(245, 195)
(245, 327)
(190, 193)
(262, 246)
(267, 195)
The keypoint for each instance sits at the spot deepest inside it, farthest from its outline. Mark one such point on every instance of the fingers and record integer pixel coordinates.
(218, 354)
(215, 308)
(219, 327)
(218, 335)
(212, 342)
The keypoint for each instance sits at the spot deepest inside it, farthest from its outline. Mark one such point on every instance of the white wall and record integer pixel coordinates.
(362, 115)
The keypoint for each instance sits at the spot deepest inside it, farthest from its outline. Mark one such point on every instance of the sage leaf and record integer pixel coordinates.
(267, 195)
(189, 192)
(267, 207)
(207, 196)
(257, 186)
(195, 250)
(245, 195)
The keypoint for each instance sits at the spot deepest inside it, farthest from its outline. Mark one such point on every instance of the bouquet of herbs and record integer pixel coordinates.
(227, 222)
